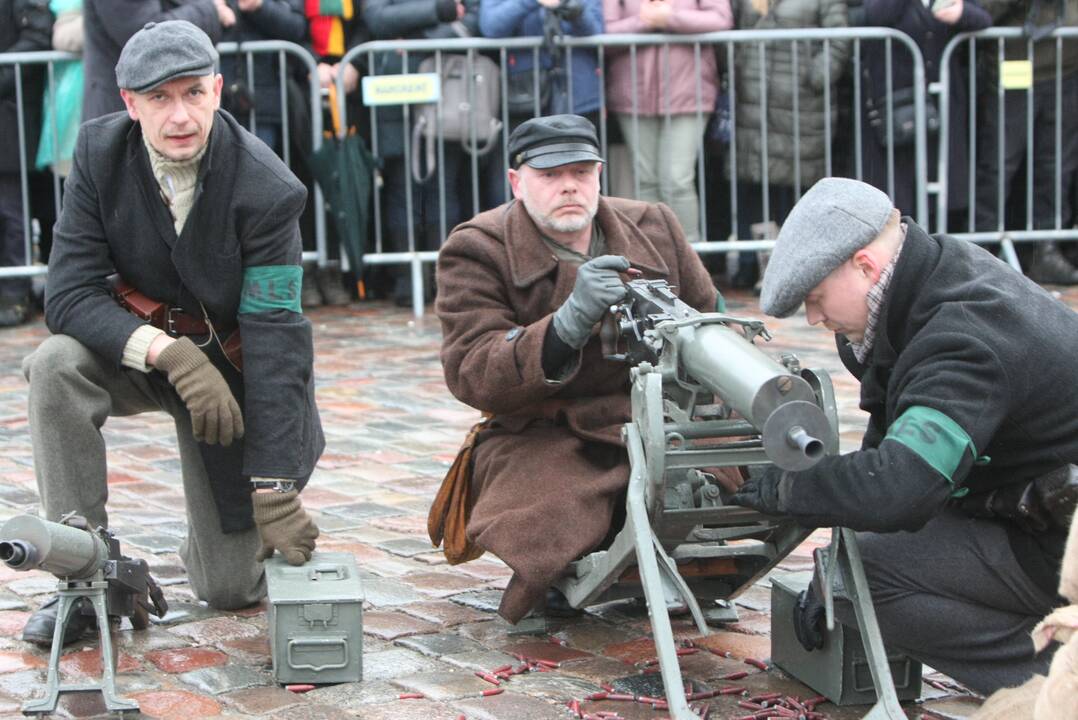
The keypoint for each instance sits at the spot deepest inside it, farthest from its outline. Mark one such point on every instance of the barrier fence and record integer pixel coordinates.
(757, 155)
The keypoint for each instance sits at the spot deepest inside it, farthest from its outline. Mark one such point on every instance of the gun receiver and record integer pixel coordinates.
(88, 564)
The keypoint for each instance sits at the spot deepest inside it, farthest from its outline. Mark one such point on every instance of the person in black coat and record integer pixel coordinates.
(970, 447)
(931, 30)
(25, 26)
(109, 24)
(192, 211)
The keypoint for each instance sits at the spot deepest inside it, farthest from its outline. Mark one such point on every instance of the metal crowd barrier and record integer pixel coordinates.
(974, 228)
(249, 50)
(415, 255)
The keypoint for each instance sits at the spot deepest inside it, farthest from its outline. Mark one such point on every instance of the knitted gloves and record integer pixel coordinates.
(215, 414)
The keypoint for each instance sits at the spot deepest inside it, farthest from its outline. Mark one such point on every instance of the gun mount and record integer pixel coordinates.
(705, 396)
(88, 564)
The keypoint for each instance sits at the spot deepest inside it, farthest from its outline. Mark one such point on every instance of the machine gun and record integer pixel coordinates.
(88, 564)
(704, 396)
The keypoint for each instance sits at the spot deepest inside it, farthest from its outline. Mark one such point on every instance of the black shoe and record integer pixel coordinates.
(41, 625)
(1050, 267)
(331, 285)
(310, 295)
(809, 613)
(13, 314)
(557, 605)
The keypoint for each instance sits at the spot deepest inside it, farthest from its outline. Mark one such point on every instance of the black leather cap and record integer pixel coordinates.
(554, 140)
(163, 51)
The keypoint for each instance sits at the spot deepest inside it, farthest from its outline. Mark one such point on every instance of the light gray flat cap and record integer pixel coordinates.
(833, 220)
(163, 51)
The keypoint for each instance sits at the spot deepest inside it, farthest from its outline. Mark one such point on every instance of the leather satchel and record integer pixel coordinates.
(448, 518)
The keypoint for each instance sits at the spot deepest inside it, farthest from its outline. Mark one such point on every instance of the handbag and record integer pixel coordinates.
(447, 520)
(903, 117)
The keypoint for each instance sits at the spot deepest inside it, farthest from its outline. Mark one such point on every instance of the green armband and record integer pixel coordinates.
(936, 438)
(271, 287)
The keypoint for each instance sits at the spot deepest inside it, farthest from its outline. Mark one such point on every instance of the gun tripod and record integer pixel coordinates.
(70, 592)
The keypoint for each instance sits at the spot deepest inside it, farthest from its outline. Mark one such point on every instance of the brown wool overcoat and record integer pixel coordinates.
(550, 469)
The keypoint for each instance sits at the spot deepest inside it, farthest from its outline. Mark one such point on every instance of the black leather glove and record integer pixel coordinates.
(761, 491)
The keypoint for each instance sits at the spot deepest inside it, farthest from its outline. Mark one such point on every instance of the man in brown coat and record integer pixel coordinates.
(521, 290)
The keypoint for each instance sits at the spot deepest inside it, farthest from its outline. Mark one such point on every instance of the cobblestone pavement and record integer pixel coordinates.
(392, 430)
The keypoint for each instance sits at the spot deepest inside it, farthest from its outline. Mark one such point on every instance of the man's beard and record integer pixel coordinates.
(548, 221)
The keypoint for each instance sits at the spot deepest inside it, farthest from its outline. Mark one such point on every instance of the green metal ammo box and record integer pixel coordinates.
(315, 619)
(839, 669)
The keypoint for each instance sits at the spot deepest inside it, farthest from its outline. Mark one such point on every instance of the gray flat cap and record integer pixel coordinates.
(164, 51)
(833, 220)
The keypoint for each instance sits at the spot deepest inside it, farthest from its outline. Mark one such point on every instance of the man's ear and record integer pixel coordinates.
(866, 262)
(129, 103)
(514, 182)
(218, 84)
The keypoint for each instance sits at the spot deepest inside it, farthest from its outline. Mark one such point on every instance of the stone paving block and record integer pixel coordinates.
(184, 612)
(206, 632)
(23, 685)
(87, 663)
(440, 583)
(224, 678)
(392, 624)
(443, 685)
(353, 695)
(737, 644)
(409, 710)
(406, 547)
(484, 660)
(441, 644)
(597, 669)
(260, 701)
(485, 600)
(33, 585)
(12, 602)
(382, 592)
(13, 661)
(444, 612)
(185, 659)
(251, 650)
(406, 524)
(509, 706)
(360, 511)
(552, 686)
(589, 636)
(545, 650)
(396, 662)
(176, 705)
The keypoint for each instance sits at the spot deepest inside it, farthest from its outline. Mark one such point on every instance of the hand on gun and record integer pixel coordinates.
(598, 286)
(215, 414)
(284, 525)
(761, 490)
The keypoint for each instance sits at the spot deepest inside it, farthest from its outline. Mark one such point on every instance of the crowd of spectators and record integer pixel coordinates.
(668, 110)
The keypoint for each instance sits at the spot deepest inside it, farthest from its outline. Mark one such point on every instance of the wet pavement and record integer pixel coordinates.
(392, 430)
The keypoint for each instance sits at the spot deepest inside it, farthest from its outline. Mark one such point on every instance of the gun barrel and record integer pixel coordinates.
(780, 404)
(30, 543)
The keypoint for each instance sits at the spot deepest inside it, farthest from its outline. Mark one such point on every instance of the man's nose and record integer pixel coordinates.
(813, 316)
(178, 113)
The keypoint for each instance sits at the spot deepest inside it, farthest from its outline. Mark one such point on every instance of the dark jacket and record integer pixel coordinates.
(1036, 13)
(108, 24)
(526, 18)
(273, 20)
(25, 26)
(931, 36)
(963, 334)
(814, 69)
(245, 215)
(410, 20)
(557, 445)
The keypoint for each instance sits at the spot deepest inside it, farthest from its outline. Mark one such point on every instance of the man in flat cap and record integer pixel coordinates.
(194, 223)
(966, 371)
(521, 291)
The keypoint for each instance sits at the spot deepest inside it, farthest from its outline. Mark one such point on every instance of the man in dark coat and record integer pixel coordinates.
(25, 26)
(108, 24)
(522, 288)
(193, 211)
(965, 367)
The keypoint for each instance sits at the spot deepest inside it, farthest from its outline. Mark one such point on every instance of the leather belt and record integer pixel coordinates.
(177, 322)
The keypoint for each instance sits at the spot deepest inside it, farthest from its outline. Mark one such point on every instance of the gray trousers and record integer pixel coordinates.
(73, 391)
(954, 596)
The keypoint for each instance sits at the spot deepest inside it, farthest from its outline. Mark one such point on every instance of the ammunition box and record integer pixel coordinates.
(315, 619)
(839, 670)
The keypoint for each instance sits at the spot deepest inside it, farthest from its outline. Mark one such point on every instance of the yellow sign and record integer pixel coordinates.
(401, 89)
(1016, 74)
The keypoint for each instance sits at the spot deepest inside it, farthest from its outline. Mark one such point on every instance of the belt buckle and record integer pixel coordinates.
(170, 321)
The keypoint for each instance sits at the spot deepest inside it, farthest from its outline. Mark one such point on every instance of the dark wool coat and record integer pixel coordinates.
(109, 24)
(551, 469)
(245, 214)
(963, 334)
(25, 26)
(931, 36)
(780, 83)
